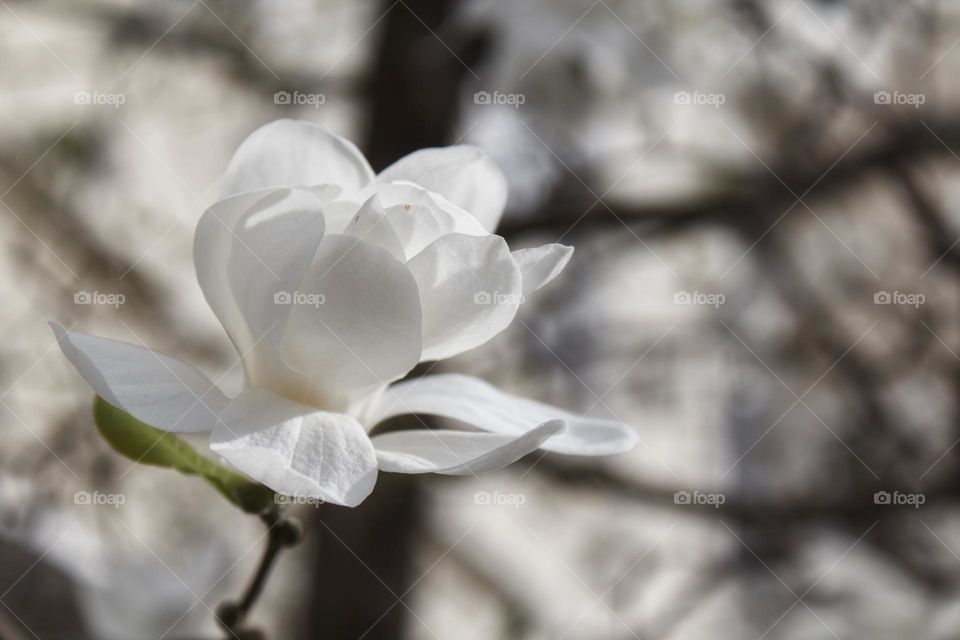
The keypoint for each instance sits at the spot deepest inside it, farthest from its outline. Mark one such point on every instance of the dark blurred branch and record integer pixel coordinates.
(407, 112)
(865, 379)
(364, 563)
(940, 238)
(853, 506)
(371, 548)
(201, 33)
(9, 630)
(518, 617)
(761, 195)
(941, 242)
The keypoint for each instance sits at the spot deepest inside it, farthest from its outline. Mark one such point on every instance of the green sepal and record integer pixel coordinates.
(147, 445)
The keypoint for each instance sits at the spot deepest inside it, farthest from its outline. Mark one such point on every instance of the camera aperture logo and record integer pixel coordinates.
(299, 99)
(507, 99)
(484, 498)
(297, 298)
(699, 498)
(99, 499)
(899, 297)
(698, 98)
(899, 499)
(99, 297)
(899, 98)
(699, 297)
(495, 297)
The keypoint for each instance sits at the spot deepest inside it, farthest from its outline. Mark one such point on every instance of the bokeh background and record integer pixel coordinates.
(764, 197)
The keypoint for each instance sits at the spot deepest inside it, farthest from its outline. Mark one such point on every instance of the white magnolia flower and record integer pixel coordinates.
(333, 283)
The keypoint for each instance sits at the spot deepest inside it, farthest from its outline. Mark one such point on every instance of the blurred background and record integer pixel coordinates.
(765, 201)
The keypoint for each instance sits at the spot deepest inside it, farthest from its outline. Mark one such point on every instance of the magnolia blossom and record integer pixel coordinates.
(333, 283)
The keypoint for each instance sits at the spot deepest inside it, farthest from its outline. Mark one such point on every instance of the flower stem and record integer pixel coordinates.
(281, 532)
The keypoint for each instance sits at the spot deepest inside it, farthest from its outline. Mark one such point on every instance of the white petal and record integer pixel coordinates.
(272, 246)
(405, 194)
(364, 330)
(161, 391)
(370, 224)
(249, 249)
(419, 217)
(464, 175)
(540, 265)
(296, 450)
(211, 252)
(457, 452)
(469, 290)
(295, 153)
(474, 402)
(339, 207)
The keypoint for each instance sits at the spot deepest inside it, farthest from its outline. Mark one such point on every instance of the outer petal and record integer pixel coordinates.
(251, 252)
(212, 244)
(271, 248)
(364, 330)
(477, 403)
(295, 153)
(296, 450)
(540, 265)
(457, 452)
(463, 174)
(469, 290)
(161, 391)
